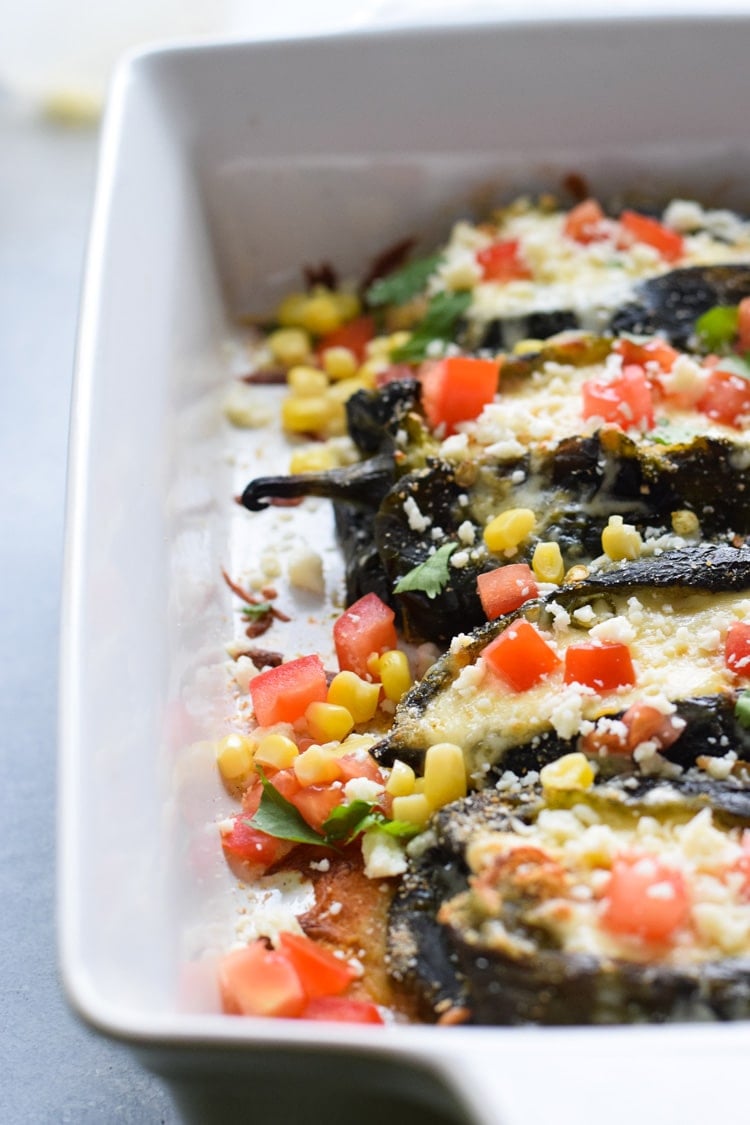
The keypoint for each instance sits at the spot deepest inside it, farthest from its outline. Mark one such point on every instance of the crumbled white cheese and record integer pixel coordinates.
(305, 570)
(363, 789)
(383, 855)
(243, 671)
(417, 521)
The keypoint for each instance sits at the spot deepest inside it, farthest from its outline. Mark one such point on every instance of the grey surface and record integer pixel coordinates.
(52, 1069)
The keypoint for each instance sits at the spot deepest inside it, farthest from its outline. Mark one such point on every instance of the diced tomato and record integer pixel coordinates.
(342, 1010)
(282, 694)
(626, 400)
(640, 723)
(355, 335)
(726, 397)
(506, 588)
(642, 228)
(365, 627)
(651, 351)
(252, 845)
(457, 389)
(645, 898)
(601, 665)
(321, 973)
(503, 261)
(743, 326)
(360, 765)
(737, 648)
(316, 803)
(521, 656)
(258, 981)
(586, 222)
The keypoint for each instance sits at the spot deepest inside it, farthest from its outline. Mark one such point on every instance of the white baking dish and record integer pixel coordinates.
(224, 168)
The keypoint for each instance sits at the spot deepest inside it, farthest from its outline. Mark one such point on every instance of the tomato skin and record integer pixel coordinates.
(652, 351)
(502, 261)
(365, 627)
(457, 389)
(626, 400)
(320, 973)
(253, 846)
(258, 981)
(726, 398)
(737, 648)
(342, 1010)
(360, 765)
(282, 694)
(521, 656)
(640, 723)
(601, 665)
(584, 223)
(642, 228)
(645, 898)
(506, 588)
(355, 335)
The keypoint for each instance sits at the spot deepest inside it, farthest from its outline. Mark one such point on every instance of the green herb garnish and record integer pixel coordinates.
(279, 817)
(440, 322)
(717, 329)
(742, 709)
(348, 821)
(429, 577)
(403, 284)
(256, 610)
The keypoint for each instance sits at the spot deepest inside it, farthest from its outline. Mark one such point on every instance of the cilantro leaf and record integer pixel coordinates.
(742, 709)
(440, 322)
(403, 284)
(279, 817)
(429, 577)
(256, 610)
(718, 327)
(347, 821)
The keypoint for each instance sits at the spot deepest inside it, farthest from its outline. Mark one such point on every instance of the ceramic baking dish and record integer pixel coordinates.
(224, 168)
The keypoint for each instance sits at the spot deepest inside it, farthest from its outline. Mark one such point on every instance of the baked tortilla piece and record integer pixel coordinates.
(581, 902)
(545, 676)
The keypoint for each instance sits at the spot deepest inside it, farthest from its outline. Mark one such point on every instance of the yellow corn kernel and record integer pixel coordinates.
(313, 459)
(414, 809)
(355, 743)
(401, 780)
(370, 369)
(234, 756)
(528, 347)
(316, 766)
(547, 563)
(289, 311)
(395, 676)
(306, 381)
(306, 415)
(276, 750)
(321, 314)
(336, 424)
(444, 774)
(572, 771)
(621, 540)
(359, 697)
(419, 785)
(343, 390)
(509, 529)
(373, 665)
(339, 363)
(348, 304)
(328, 721)
(685, 522)
(577, 573)
(289, 346)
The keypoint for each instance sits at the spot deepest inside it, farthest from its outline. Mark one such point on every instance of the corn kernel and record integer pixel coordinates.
(234, 756)
(289, 346)
(317, 458)
(343, 390)
(401, 780)
(336, 424)
(685, 522)
(316, 766)
(276, 750)
(307, 415)
(370, 369)
(355, 743)
(528, 347)
(419, 785)
(348, 304)
(359, 697)
(572, 771)
(547, 563)
(306, 381)
(328, 721)
(506, 531)
(395, 676)
(373, 665)
(621, 540)
(577, 573)
(289, 311)
(414, 809)
(444, 774)
(339, 363)
(321, 314)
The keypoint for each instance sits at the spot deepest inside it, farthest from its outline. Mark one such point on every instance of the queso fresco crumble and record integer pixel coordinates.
(524, 760)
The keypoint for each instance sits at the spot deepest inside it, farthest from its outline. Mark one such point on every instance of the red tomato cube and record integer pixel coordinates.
(737, 648)
(726, 398)
(253, 846)
(626, 400)
(258, 981)
(457, 389)
(502, 261)
(321, 973)
(645, 898)
(586, 222)
(521, 656)
(506, 588)
(365, 627)
(342, 1010)
(642, 228)
(355, 335)
(283, 694)
(603, 666)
